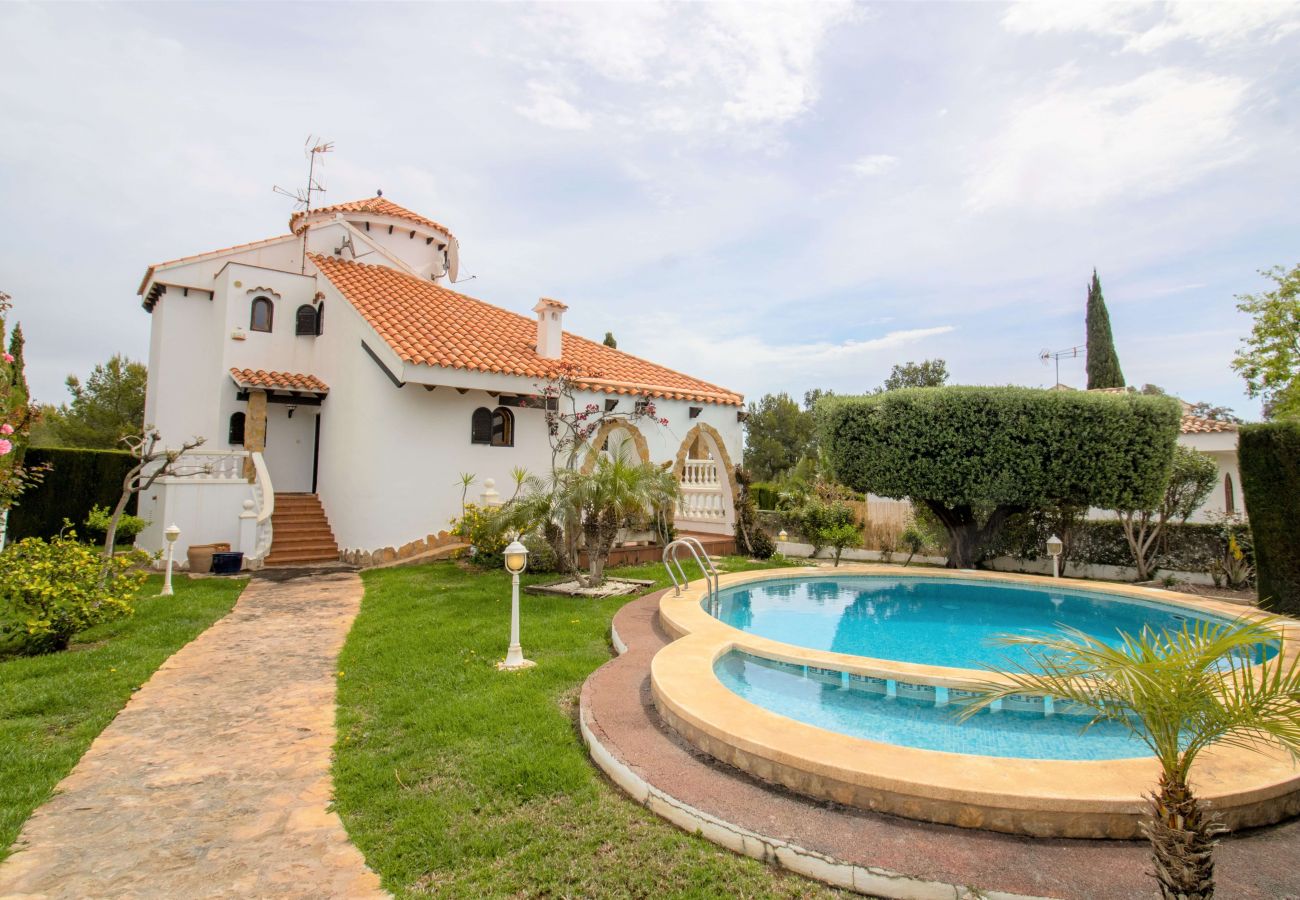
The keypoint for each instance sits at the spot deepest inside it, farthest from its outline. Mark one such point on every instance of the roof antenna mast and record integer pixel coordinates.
(312, 148)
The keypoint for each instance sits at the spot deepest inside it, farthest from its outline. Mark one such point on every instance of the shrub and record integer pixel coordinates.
(821, 521)
(765, 495)
(77, 481)
(1270, 481)
(50, 590)
(976, 456)
(1190, 547)
(485, 529)
(128, 526)
(750, 537)
(913, 540)
(840, 536)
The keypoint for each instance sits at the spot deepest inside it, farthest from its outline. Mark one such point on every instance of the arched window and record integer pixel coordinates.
(305, 321)
(263, 312)
(236, 429)
(1229, 497)
(320, 318)
(503, 428)
(480, 426)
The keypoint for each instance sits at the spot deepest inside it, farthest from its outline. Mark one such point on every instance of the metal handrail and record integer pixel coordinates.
(701, 559)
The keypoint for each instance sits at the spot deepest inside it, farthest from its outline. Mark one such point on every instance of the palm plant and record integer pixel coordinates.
(1179, 692)
(614, 491)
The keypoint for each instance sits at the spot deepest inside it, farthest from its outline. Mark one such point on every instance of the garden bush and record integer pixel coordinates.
(50, 590)
(1190, 547)
(751, 539)
(77, 481)
(826, 523)
(128, 526)
(1270, 481)
(765, 495)
(977, 455)
(486, 530)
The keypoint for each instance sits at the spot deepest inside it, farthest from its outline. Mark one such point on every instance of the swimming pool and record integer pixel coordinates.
(843, 686)
(932, 620)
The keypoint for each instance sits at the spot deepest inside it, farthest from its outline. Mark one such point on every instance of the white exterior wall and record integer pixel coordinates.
(1222, 446)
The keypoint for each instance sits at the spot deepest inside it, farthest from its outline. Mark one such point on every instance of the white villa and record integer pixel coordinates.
(342, 388)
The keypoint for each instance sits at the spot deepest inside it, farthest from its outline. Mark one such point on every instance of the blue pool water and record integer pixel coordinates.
(933, 621)
(861, 708)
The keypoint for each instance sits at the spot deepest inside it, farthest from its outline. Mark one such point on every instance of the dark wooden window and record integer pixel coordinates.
(610, 405)
(263, 313)
(305, 323)
(695, 411)
(480, 426)
(236, 429)
(320, 318)
(503, 428)
(1229, 496)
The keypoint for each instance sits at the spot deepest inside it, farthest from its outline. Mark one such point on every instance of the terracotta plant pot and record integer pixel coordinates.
(200, 556)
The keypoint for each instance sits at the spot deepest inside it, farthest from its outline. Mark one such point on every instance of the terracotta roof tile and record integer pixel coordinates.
(281, 381)
(377, 205)
(430, 325)
(1202, 425)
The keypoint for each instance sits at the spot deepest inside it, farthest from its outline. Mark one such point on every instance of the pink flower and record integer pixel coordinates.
(663, 421)
(9, 357)
(6, 428)
(5, 447)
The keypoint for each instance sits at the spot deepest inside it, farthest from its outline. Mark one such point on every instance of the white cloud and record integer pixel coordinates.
(549, 107)
(875, 164)
(1072, 149)
(1146, 28)
(704, 68)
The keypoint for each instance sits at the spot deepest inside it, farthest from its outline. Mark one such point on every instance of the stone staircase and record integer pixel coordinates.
(300, 533)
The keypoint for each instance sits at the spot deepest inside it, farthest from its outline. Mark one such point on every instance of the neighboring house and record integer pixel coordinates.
(342, 388)
(1213, 437)
(1219, 440)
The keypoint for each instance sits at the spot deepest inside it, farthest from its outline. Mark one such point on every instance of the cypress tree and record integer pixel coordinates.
(1103, 361)
(609, 340)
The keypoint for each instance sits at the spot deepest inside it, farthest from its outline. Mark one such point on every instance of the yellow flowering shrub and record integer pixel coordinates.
(50, 590)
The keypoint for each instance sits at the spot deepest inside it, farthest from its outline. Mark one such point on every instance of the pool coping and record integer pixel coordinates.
(1066, 798)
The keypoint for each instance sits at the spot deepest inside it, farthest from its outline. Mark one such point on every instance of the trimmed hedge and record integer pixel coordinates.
(1190, 547)
(78, 480)
(1269, 456)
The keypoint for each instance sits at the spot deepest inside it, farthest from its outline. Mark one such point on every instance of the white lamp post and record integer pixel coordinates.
(516, 559)
(782, 536)
(172, 533)
(1054, 547)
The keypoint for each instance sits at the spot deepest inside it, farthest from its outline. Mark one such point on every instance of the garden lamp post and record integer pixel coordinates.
(782, 536)
(1054, 547)
(516, 559)
(172, 533)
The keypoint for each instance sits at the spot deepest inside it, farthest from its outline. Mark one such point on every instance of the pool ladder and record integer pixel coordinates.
(672, 557)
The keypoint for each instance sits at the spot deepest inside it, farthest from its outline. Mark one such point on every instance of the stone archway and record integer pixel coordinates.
(605, 430)
(723, 459)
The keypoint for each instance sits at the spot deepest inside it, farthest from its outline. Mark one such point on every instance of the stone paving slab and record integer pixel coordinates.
(214, 780)
(904, 858)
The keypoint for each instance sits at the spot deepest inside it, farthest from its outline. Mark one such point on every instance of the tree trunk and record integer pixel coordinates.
(1182, 842)
(967, 539)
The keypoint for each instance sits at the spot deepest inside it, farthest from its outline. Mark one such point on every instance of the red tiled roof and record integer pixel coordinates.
(280, 381)
(1202, 425)
(430, 325)
(377, 205)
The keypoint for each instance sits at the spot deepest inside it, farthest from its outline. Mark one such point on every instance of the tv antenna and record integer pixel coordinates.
(302, 198)
(1058, 355)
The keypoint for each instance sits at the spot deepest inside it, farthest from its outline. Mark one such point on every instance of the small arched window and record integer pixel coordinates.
(1229, 496)
(236, 429)
(503, 428)
(480, 426)
(320, 318)
(262, 314)
(305, 321)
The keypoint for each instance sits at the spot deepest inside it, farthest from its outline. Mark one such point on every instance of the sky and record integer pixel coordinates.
(768, 197)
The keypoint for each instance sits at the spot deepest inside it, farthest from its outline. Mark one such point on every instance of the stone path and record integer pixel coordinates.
(878, 854)
(214, 781)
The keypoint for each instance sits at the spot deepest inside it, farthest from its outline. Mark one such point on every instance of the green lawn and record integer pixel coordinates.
(52, 707)
(457, 780)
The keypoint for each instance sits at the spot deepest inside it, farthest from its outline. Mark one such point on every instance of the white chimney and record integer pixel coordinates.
(550, 328)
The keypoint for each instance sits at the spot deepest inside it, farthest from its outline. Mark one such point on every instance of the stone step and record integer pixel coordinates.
(280, 559)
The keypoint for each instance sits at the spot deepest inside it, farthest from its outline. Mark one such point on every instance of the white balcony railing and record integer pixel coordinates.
(701, 498)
